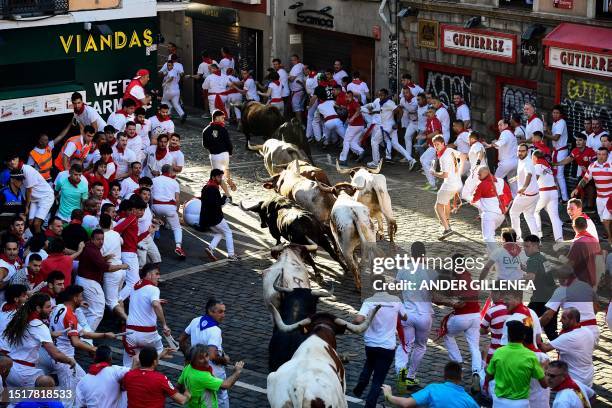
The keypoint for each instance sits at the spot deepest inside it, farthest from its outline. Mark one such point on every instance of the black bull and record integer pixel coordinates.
(295, 305)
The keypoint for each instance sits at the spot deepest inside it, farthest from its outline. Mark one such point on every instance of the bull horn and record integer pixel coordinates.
(255, 148)
(278, 320)
(324, 188)
(377, 169)
(312, 246)
(358, 328)
(362, 187)
(254, 207)
(279, 288)
(341, 171)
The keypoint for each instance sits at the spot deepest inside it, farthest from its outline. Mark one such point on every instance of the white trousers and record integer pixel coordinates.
(219, 161)
(313, 124)
(427, 158)
(136, 341)
(469, 325)
(211, 102)
(94, 296)
(549, 200)
(220, 231)
(470, 185)
(351, 141)
(170, 214)
(411, 131)
(68, 378)
(234, 99)
(332, 129)
(23, 376)
(525, 205)
(112, 287)
(148, 252)
(489, 222)
(602, 208)
(560, 173)
(508, 403)
(392, 142)
(173, 99)
(507, 168)
(40, 207)
(131, 275)
(416, 333)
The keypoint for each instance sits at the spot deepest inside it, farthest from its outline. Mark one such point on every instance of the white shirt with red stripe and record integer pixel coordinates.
(277, 92)
(166, 125)
(601, 173)
(164, 189)
(153, 164)
(546, 179)
(487, 197)
(559, 128)
(525, 167)
(506, 146)
(577, 294)
(141, 311)
(34, 336)
(216, 84)
(494, 320)
(63, 318)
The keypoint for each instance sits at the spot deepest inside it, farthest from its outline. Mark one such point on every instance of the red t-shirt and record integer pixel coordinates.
(468, 296)
(56, 262)
(341, 99)
(352, 108)
(92, 178)
(582, 256)
(147, 389)
(583, 158)
(128, 228)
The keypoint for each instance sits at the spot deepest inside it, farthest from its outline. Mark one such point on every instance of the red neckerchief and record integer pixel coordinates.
(174, 149)
(142, 283)
(208, 61)
(16, 262)
(51, 234)
(112, 142)
(85, 212)
(409, 84)
(567, 384)
(135, 179)
(581, 234)
(131, 137)
(357, 81)
(114, 201)
(79, 111)
(543, 162)
(94, 369)
(212, 183)
(312, 74)
(218, 73)
(228, 56)
(277, 82)
(139, 122)
(207, 369)
(222, 124)
(47, 291)
(124, 113)
(555, 121)
(534, 116)
(441, 152)
(120, 150)
(110, 160)
(33, 316)
(532, 348)
(76, 185)
(563, 331)
(162, 118)
(9, 307)
(522, 309)
(76, 222)
(460, 105)
(513, 248)
(160, 154)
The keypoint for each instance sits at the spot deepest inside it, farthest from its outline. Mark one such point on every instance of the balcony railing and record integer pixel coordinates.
(32, 8)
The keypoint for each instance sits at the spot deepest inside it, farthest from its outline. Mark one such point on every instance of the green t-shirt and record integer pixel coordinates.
(513, 366)
(203, 387)
(70, 197)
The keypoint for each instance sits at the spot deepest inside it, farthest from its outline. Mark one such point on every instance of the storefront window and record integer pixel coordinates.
(586, 97)
(604, 9)
(447, 81)
(522, 4)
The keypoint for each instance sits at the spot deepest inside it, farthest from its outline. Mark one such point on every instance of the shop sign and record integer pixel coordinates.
(428, 34)
(93, 43)
(295, 39)
(36, 106)
(316, 18)
(479, 43)
(529, 52)
(579, 61)
(564, 4)
(212, 13)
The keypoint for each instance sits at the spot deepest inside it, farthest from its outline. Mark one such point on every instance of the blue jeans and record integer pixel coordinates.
(378, 361)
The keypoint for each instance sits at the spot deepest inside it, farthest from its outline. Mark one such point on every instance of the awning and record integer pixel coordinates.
(580, 48)
(26, 103)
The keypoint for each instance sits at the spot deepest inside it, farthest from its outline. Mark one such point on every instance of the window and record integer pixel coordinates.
(516, 4)
(604, 9)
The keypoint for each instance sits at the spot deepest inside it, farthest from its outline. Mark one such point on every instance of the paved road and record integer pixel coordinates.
(248, 326)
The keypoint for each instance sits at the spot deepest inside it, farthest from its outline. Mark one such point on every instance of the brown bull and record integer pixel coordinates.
(260, 120)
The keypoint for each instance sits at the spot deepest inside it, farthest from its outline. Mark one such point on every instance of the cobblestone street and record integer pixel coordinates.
(247, 328)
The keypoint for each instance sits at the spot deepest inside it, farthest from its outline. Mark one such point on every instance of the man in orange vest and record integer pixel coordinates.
(77, 146)
(135, 90)
(40, 157)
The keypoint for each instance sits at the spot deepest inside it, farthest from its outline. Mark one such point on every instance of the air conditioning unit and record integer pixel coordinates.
(247, 1)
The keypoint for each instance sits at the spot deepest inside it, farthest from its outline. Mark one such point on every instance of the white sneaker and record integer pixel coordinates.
(412, 164)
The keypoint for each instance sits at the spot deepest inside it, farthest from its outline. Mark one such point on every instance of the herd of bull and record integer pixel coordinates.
(309, 212)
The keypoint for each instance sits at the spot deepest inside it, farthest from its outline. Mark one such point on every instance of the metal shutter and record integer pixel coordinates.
(322, 47)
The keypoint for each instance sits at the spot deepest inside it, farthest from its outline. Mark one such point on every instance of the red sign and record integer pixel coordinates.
(479, 43)
(564, 4)
(376, 32)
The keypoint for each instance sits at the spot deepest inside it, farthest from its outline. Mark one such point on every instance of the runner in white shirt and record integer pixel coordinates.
(575, 345)
(462, 111)
(296, 86)
(359, 88)
(112, 280)
(533, 122)
(174, 149)
(203, 72)
(249, 86)
(332, 124)
(157, 156)
(518, 128)
(216, 84)
(477, 157)
(558, 136)
(443, 117)
(86, 115)
(101, 386)
(144, 310)
(594, 139)
(165, 201)
(134, 141)
(25, 335)
(422, 108)
(506, 149)
(408, 84)
(161, 122)
(147, 249)
(124, 115)
(527, 194)
(205, 330)
(507, 258)
(339, 73)
(233, 98)
(172, 58)
(570, 393)
(171, 89)
(409, 107)
(123, 157)
(574, 210)
(416, 328)
(313, 123)
(227, 61)
(548, 195)
(283, 77)
(450, 166)
(462, 144)
(274, 93)
(130, 183)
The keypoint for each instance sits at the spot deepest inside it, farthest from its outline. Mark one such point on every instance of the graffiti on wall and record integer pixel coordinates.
(514, 98)
(393, 64)
(444, 85)
(585, 98)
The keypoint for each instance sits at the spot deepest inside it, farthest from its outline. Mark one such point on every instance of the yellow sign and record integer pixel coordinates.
(116, 41)
(427, 36)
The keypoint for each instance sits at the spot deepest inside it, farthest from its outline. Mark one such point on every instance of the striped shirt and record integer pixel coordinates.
(602, 174)
(494, 320)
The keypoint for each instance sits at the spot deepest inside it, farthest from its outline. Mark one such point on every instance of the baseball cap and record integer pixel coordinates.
(140, 73)
(17, 174)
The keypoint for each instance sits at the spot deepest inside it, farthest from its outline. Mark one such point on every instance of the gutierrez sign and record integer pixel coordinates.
(579, 61)
(479, 43)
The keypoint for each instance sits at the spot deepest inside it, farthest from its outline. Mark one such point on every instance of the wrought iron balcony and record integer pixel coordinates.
(15, 9)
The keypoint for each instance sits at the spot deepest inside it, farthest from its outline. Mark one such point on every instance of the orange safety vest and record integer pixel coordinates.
(81, 152)
(43, 161)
